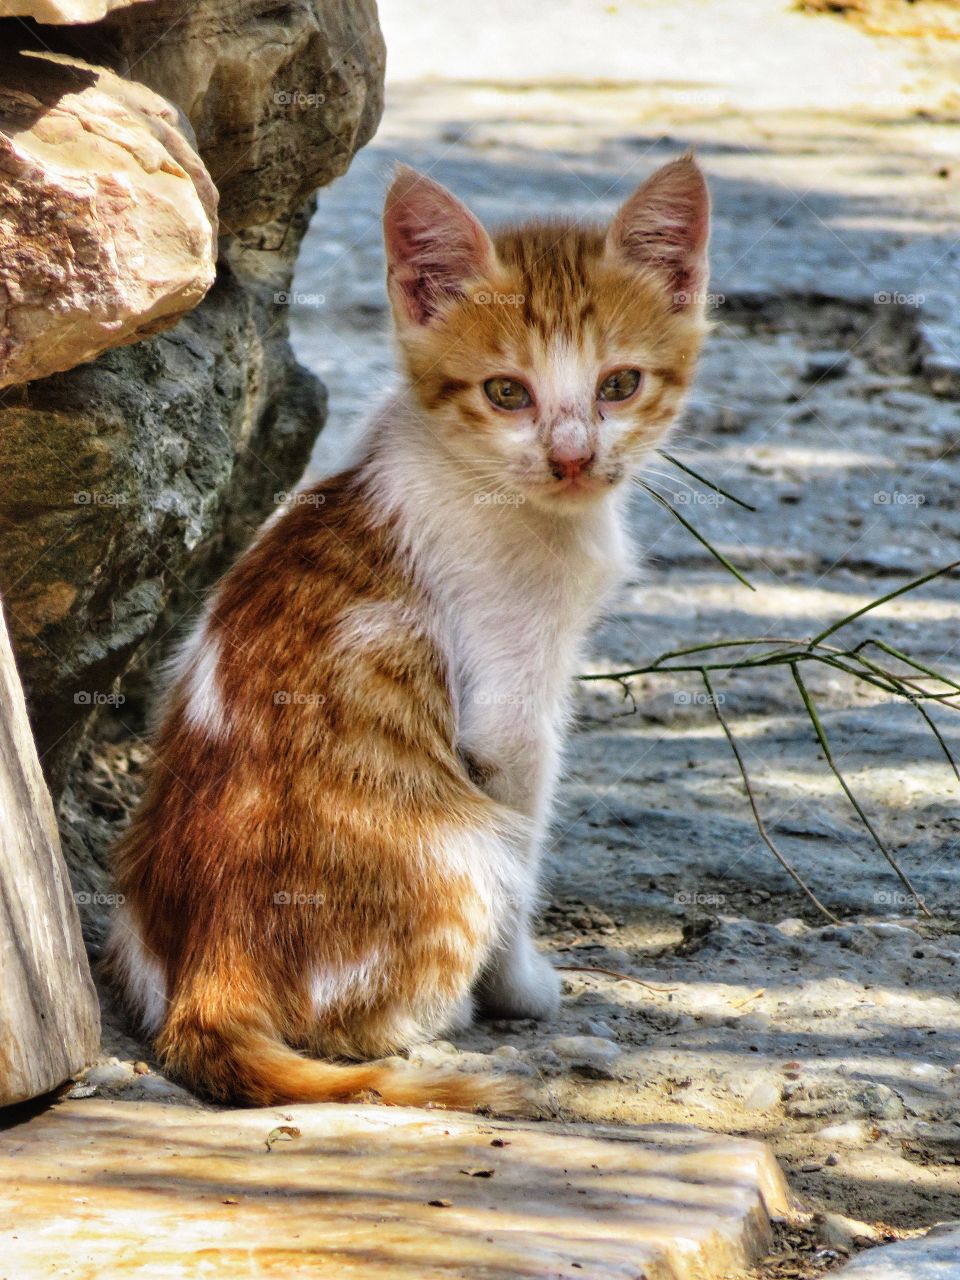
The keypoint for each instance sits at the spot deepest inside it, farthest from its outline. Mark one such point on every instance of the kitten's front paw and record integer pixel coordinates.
(521, 983)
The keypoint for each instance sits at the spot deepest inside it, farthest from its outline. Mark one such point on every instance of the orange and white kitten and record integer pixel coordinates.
(337, 855)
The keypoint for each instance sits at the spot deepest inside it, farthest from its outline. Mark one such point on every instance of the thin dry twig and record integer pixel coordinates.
(612, 973)
(754, 995)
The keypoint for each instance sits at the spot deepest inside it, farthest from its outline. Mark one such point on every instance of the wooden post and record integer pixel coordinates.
(49, 1015)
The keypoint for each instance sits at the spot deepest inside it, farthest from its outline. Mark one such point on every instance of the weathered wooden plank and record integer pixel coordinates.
(49, 1015)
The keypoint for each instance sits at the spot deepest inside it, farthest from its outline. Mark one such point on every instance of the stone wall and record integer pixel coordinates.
(156, 166)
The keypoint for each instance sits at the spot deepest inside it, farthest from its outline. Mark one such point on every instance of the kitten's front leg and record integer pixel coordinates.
(515, 763)
(518, 768)
(519, 982)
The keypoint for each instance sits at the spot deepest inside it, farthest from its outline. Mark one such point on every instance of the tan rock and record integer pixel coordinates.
(60, 12)
(839, 1232)
(107, 215)
(280, 97)
(147, 1189)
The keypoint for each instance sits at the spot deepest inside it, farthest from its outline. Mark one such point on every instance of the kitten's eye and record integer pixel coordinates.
(507, 393)
(619, 385)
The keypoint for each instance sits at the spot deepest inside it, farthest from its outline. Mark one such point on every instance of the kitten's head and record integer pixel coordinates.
(550, 358)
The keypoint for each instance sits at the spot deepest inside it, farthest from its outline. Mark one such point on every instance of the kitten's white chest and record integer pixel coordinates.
(518, 621)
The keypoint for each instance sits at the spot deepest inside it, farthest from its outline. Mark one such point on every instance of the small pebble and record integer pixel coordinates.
(851, 1133)
(82, 1091)
(585, 1046)
(506, 1051)
(594, 1027)
(589, 1056)
(110, 1074)
(763, 1095)
(879, 1102)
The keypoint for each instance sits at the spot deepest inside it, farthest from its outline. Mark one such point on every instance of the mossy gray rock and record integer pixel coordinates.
(134, 476)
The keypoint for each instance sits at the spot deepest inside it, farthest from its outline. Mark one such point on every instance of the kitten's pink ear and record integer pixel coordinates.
(435, 246)
(665, 225)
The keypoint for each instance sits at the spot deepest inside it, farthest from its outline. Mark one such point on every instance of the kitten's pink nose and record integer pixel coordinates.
(567, 463)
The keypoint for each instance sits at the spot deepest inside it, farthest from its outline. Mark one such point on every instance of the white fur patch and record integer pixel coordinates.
(333, 984)
(140, 972)
(364, 626)
(198, 663)
(494, 861)
(568, 370)
(512, 590)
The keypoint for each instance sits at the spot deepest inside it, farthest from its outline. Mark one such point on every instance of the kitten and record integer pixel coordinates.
(337, 855)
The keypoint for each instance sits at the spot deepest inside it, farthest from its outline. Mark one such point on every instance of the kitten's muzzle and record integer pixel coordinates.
(570, 464)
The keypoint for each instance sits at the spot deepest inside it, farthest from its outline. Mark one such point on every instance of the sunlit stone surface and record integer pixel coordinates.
(147, 1190)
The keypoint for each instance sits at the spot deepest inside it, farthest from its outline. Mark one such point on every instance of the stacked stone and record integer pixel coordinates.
(157, 162)
(150, 406)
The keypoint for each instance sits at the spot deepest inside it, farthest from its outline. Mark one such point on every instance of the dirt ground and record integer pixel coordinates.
(703, 986)
(828, 399)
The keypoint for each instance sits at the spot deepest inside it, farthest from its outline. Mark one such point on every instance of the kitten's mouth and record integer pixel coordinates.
(570, 492)
(582, 486)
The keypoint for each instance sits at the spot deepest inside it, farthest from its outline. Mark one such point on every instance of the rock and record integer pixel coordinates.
(49, 1014)
(926, 1077)
(849, 1133)
(596, 1027)
(129, 481)
(110, 1075)
(511, 1066)
(712, 1017)
(548, 1062)
(879, 1102)
(837, 1232)
(845, 1098)
(637, 1200)
(81, 1091)
(930, 1257)
(108, 217)
(60, 12)
(939, 362)
(590, 1056)
(755, 1021)
(159, 1087)
(280, 98)
(763, 1095)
